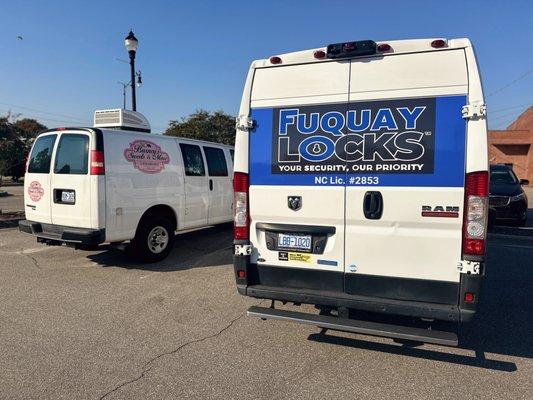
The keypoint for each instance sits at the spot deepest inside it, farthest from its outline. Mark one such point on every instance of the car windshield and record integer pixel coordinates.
(502, 177)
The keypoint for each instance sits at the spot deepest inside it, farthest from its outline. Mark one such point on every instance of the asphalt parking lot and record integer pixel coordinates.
(92, 325)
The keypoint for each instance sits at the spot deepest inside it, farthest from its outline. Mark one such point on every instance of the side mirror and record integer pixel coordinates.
(524, 182)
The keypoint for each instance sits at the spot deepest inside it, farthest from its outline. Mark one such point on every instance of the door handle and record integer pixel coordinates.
(211, 184)
(373, 205)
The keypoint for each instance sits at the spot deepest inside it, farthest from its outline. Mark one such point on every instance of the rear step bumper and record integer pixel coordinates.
(60, 233)
(357, 326)
(371, 304)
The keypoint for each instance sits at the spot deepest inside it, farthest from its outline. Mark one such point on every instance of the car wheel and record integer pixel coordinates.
(154, 239)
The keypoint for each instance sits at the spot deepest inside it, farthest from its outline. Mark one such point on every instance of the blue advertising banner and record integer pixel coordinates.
(403, 142)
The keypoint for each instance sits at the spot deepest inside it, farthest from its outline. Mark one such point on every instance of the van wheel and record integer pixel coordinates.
(154, 239)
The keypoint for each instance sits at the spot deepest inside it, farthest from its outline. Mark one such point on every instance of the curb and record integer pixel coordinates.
(10, 223)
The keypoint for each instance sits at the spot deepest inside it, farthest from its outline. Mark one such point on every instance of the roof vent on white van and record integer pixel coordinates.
(121, 119)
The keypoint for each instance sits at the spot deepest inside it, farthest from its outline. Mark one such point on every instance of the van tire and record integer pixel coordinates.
(154, 239)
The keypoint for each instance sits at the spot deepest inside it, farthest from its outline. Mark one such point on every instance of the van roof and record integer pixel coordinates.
(396, 47)
(122, 131)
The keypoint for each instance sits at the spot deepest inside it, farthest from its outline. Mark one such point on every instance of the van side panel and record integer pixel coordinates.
(477, 143)
(242, 135)
(134, 184)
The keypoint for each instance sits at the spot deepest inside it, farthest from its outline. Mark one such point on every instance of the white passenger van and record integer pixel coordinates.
(116, 182)
(361, 184)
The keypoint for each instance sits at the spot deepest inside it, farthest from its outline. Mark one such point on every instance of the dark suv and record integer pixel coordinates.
(507, 199)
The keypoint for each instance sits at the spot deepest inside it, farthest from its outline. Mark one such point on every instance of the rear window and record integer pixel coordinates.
(216, 161)
(192, 158)
(41, 155)
(72, 156)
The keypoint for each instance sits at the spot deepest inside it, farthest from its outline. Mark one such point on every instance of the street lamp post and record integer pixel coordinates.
(131, 44)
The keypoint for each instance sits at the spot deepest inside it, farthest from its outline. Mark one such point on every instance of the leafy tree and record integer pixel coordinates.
(16, 137)
(12, 156)
(7, 130)
(204, 125)
(29, 127)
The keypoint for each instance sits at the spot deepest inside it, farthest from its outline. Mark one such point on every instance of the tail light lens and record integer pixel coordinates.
(475, 213)
(241, 219)
(97, 162)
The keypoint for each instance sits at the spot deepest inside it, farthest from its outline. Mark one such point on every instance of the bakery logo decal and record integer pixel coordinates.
(35, 191)
(146, 156)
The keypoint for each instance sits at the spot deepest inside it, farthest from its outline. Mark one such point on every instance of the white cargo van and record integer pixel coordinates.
(115, 183)
(361, 184)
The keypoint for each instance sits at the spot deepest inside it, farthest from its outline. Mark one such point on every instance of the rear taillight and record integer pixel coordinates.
(97, 162)
(475, 213)
(241, 219)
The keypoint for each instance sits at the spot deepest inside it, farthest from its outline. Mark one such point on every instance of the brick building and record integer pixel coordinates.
(515, 145)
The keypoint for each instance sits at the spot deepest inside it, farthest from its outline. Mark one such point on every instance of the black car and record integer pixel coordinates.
(507, 199)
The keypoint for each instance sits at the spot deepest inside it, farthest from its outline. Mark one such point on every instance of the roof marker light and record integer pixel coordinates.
(438, 43)
(275, 60)
(319, 54)
(384, 47)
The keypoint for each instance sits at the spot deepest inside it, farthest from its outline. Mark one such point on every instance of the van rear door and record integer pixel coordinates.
(405, 186)
(70, 181)
(37, 191)
(297, 224)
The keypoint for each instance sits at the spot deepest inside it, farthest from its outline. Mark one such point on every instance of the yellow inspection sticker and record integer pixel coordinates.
(301, 257)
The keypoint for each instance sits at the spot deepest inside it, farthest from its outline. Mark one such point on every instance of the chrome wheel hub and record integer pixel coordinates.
(158, 239)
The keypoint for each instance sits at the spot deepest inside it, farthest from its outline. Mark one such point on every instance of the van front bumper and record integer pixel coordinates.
(60, 233)
(325, 288)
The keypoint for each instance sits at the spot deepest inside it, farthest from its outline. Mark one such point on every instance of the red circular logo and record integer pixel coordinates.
(146, 156)
(35, 191)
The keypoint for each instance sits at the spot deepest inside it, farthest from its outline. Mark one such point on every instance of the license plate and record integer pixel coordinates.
(68, 196)
(294, 241)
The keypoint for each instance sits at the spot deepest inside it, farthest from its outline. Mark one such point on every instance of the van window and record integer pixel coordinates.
(192, 158)
(232, 154)
(41, 155)
(216, 161)
(72, 156)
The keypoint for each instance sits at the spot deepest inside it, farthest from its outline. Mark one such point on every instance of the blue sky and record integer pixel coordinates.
(195, 54)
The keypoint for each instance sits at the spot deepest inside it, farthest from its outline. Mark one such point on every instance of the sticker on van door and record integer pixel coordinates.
(146, 156)
(393, 136)
(399, 142)
(35, 191)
